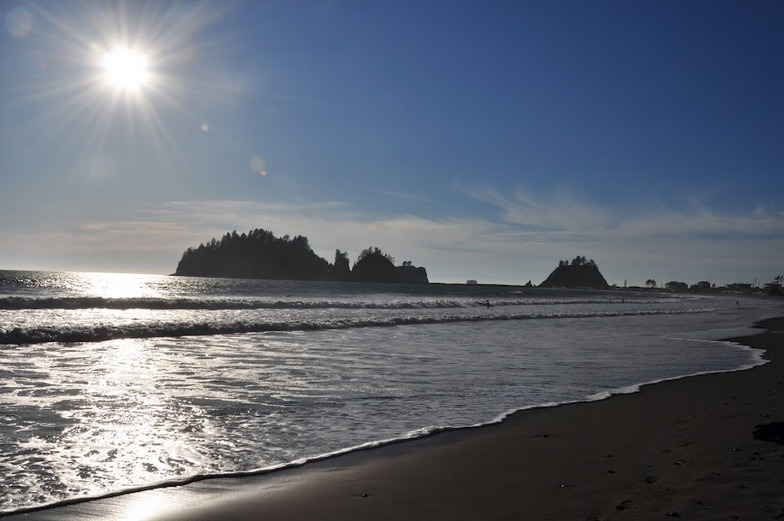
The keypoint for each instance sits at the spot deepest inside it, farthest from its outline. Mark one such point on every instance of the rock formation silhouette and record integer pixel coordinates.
(581, 273)
(260, 255)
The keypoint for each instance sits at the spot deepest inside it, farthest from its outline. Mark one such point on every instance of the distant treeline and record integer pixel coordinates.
(260, 255)
(773, 288)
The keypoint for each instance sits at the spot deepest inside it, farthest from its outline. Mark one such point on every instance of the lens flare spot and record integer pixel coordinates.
(19, 21)
(258, 165)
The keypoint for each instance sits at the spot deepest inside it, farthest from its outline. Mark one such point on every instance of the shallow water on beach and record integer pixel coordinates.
(112, 381)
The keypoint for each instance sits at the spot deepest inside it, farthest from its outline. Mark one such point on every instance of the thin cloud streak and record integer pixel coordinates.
(410, 197)
(563, 213)
(672, 223)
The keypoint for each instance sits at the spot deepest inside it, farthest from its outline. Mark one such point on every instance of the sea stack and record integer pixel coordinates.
(581, 273)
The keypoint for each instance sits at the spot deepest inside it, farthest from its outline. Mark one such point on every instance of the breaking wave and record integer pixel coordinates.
(102, 332)
(21, 303)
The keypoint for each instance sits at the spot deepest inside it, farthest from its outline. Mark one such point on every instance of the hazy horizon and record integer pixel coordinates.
(480, 141)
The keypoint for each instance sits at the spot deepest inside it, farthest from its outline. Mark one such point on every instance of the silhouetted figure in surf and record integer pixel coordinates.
(487, 303)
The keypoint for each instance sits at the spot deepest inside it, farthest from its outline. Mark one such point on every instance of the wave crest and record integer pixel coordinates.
(98, 333)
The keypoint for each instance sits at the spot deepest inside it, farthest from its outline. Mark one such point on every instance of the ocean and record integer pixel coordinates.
(112, 382)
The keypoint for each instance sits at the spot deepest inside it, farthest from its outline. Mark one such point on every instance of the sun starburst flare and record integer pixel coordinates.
(115, 78)
(126, 69)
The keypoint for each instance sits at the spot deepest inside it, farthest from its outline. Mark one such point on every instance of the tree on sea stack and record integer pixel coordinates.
(341, 270)
(581, 273)
(373, 265)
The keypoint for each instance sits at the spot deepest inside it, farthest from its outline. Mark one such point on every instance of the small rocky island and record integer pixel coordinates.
(260, 255)
(581, 273)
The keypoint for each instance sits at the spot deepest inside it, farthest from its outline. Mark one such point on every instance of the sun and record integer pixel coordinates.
(126, 69)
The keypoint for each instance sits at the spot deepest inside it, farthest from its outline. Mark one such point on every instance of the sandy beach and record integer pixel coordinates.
(678, 449)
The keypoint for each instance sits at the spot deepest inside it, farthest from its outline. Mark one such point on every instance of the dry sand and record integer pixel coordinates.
(679, 449)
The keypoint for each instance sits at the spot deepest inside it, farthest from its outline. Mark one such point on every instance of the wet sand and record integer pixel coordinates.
(678, 449)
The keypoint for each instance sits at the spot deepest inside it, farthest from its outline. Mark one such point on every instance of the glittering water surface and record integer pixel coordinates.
(111, 381)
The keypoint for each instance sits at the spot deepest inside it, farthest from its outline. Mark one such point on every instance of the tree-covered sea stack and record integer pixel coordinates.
(580, 273)
(260, 255)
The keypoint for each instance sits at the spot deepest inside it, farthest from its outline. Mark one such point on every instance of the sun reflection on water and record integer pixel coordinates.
(150, 505)
(120, 285)
(127, 426)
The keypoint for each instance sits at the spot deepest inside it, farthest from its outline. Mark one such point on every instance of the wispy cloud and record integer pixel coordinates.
(524, 244)
(410, 197)
(558, 213)
(563, 213)
(688, 242)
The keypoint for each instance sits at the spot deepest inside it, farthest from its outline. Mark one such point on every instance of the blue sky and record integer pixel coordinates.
(482, 140)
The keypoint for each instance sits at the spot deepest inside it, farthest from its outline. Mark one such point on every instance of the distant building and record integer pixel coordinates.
(740, 288)
(775, 288)
(471, 282)
(702, 285)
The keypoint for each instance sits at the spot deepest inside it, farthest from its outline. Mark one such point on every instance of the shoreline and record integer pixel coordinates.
(570, 461)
